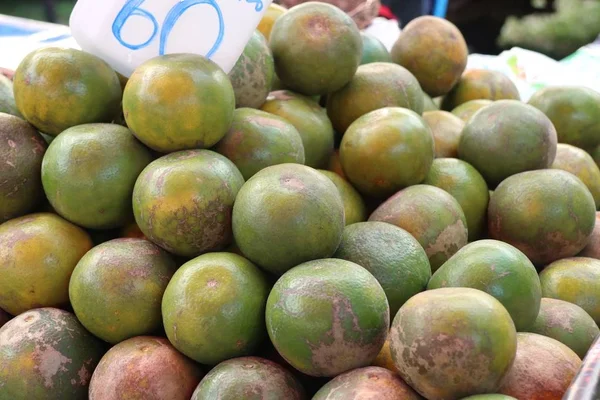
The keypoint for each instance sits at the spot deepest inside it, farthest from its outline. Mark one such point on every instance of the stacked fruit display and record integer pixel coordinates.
(310, 226)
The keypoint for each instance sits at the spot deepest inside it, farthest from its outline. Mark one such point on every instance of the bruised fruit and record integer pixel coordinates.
(466, 110)
(46, 354)
(21, 152)
(144, 367)
(271, 15)
(354, 206)
(498, 269)
(434, 50)
(506, 138)
(317, 48)
(327, 316)
(437, 347)
(7, 97)
(252, 74)
(117, 287)
(288, 214)
(183, 201)
(258, 139)
(38, 255)
(432, 216)
(578, 162)
(567, 323)
(543, 369)
(592, 249)
(576, 280)
(387, 150)
(214, 306)
(251, 378)
(574, 111)
(375, 86)
(178, 102)
(309, 119)
(480, 84)
(57, 88)
(446, 129)
(392, 255)
(89, 172)
(369, 383)
(547, 214)
(467, 186)
(373, 50)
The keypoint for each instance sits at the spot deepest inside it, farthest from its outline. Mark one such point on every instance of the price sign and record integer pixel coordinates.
(126, 33)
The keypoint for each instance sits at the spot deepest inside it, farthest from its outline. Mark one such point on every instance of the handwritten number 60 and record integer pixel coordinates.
(132, 8)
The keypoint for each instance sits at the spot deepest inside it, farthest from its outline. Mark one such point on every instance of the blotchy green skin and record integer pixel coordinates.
(310, 120)
(46, 354)
(179, 101)
(547, 214)
(434, 50)
(317, 48)
(500, 270)
(249, 378)
(327, 316)
(429, 104)
(258, 139)
(214, 307)
(467, 186)
(592, 249)
(253, 73)
(392, 255)
(89, 172)
(506, 138)
(480, 84)
(117, 287)
(375, 86)
(38, 255)
(489, 397)
(575, 280)
(288, 214)
(466, 110)
(21, 151)
(369, 383)
(355, 209)
(4, 317)
(387, 150)
(578, 162)
(7, 98)
(446, 129)
(144, 368)
(58, 88)
(574, 111)
(183, 201)
(453, 342)
(432, 216)
(373, 50)
(567, 323)
(543, 369)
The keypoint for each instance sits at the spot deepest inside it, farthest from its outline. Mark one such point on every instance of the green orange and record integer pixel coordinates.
(392, 255)
(46, 354)
(436, 342)
(258, 139)
(578, 162)
(500, 270)
(355, 209)
(21, 154)
(213, 308)
(575, 280)
(271, 15)
(446, 129)
(178, 101)
(7, 97)
(144, 367)
(592, 249)
(467, 186)
(38, 255)
(387, 150)
(373, 50)
(89, 172)
(429, 104)
(466, 110)
(432, 216)
(117, 287)
(327, 316)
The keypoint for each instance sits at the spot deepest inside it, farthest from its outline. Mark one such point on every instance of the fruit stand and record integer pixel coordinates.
(329, 216)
